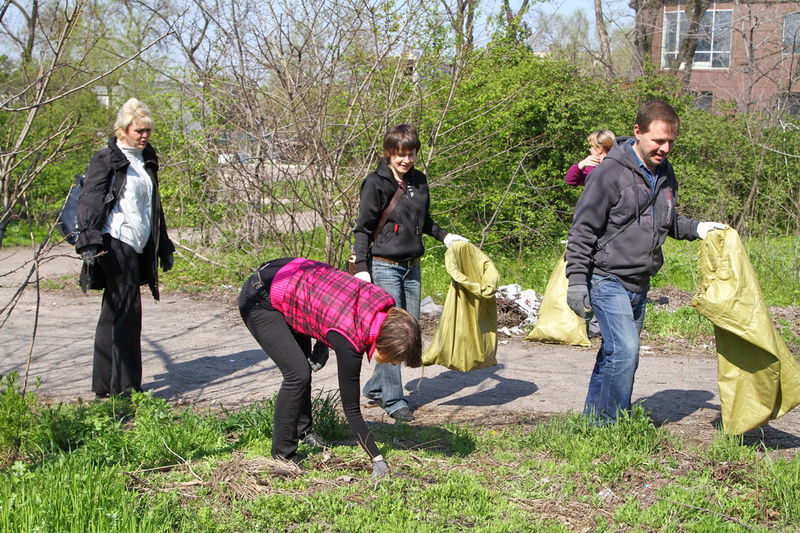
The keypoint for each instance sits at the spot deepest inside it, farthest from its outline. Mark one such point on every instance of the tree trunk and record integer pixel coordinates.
(515, 26)
(695, 11)
(647, 13)
(602, 34)
(462, 20)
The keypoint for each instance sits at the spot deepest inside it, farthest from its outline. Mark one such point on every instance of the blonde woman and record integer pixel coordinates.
(122, 235)
(600, 143)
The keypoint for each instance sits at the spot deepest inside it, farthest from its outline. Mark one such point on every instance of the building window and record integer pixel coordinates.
(790, 103)
(713, 42)
(704, 100)
(791, 33)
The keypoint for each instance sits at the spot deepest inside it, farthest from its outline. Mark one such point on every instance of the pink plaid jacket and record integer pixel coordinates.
(315, 298)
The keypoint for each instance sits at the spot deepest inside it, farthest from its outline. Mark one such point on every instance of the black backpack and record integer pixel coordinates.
(67, 222)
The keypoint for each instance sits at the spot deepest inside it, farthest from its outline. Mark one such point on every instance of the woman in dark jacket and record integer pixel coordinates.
(289, 301)
(122, 235)
(395, 247)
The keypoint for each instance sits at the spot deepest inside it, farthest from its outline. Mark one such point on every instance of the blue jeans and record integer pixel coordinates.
(404, 284)
(620, 314)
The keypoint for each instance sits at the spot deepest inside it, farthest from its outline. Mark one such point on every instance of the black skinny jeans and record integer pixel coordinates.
(289, 350)
(117, 367)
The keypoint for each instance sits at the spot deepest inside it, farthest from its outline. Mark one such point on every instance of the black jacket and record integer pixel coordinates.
(97, 200)
(401, 236)
(616, 193)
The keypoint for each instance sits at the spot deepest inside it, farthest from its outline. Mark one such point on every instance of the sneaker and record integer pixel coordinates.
(403, 414)
(312, 439)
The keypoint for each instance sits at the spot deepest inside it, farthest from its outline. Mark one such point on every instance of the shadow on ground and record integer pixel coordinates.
(772, 438)
(423, 391)
(673, 405)
(449, 440)
(187, 376)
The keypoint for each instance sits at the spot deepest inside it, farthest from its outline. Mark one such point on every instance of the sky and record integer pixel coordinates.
(568, 6)
(616, 11)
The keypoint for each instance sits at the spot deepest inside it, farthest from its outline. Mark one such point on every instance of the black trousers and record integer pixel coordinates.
(117, 365)
(289, 350)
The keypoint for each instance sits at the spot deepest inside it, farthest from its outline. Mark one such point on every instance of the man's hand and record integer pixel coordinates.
(379, 469)
(167, 262)
(578, 299)
(450, 238)
(89, 254)
(363, 276)
(704, 227)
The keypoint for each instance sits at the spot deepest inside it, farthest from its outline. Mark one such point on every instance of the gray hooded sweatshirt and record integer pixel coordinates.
(617, 192)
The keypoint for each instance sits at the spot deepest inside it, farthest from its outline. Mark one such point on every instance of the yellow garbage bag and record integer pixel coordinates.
(466, 338)
(759, 378)
(557, 323)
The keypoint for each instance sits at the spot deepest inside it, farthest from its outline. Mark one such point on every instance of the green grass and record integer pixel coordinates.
(143, 465)
(684, 322)
(19, 234)
(775, 260)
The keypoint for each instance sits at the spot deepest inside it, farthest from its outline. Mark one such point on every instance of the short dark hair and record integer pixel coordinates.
(400, 339)
(398, 138)
(656, 110)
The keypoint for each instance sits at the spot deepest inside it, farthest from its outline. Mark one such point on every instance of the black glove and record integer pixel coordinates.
(166, 262)
(89, 253)
(379, 469)
(578, 299)
(319, 356)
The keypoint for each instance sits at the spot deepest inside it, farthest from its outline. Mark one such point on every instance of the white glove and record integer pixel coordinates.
(704, 227)
(363, 276)
(450, 238)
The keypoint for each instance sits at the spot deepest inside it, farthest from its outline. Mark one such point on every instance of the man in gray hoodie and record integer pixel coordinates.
(623, 217)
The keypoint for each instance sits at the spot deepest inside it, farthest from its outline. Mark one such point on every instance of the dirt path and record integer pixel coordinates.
(197, 350)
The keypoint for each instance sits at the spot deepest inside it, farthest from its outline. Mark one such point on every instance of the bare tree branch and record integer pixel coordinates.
(44, 79)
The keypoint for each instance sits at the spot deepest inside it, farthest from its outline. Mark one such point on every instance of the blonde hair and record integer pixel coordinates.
(132, 110)
(602, 138)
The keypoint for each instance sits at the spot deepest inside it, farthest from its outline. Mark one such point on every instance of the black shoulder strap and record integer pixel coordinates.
(401, 188)
(603, 242)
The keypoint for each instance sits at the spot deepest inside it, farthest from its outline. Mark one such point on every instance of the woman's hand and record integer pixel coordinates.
(450, 238)
(590, 161)
(167, 262)
(379, 469)
(89, 253)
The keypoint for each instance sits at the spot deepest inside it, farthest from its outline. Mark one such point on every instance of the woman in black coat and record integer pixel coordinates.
(122, 235)
(389, 255)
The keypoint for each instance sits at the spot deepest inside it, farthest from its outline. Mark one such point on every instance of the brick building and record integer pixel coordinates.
(747, 52)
